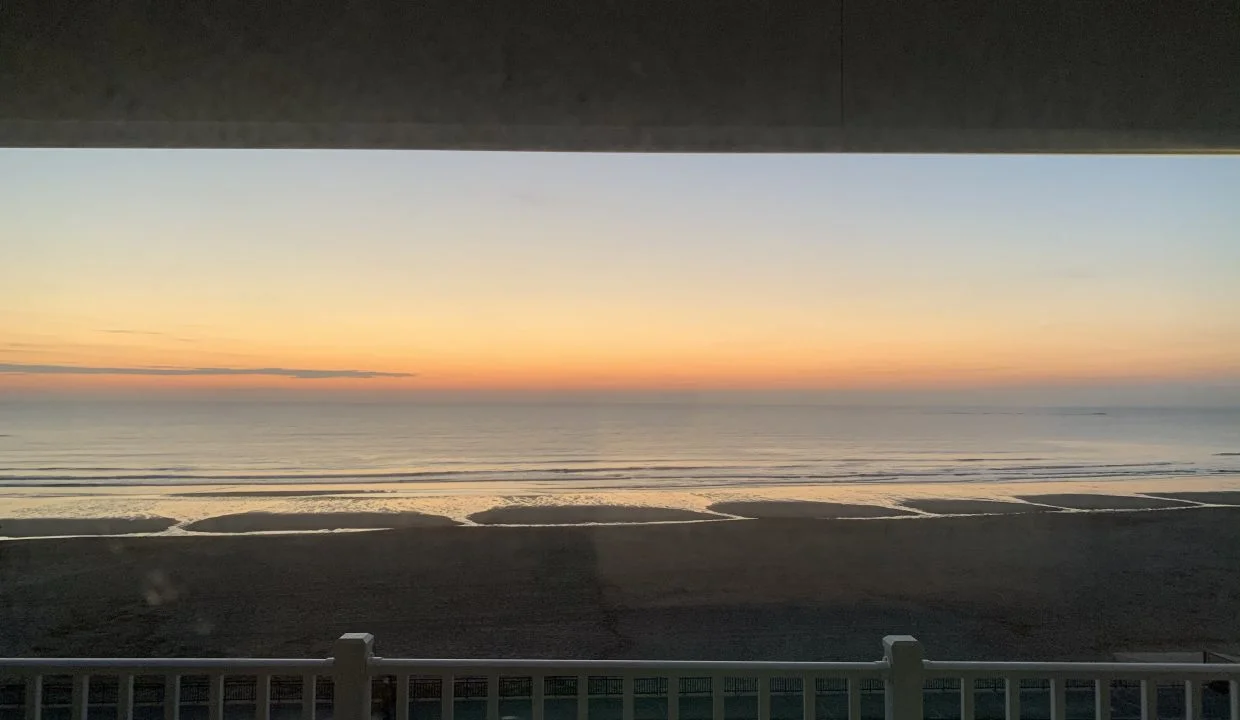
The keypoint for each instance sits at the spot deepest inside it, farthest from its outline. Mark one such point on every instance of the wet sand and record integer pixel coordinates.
(265, 521)
(270, 493)
(577, 514)
(1035, 586)
(51, 527)
(1222, 497)
(973, 507)
(1085, 501)
(804, 509)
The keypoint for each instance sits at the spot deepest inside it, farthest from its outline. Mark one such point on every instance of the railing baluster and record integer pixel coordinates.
(968, 695)
(215, 697)
(809, 697)
(1233, 698)
(673, 697)
(262, 696)
(1149, 700)
(308, 682)
(1059, 699)
(626, 697)
(124, 703)
(81, 697)
(172, 697)
(764, 697)
(716, 697)
(493, 696)
(1011, 698)
(538, 699)
(402, 697)
(583, 697)
(34, 697)
(447, 697)
(1102, 699)
(1192, 700)
(854, 698)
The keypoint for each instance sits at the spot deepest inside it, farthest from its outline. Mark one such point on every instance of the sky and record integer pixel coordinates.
(314, 271)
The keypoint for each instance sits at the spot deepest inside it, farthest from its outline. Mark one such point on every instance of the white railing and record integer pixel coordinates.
(363, 686)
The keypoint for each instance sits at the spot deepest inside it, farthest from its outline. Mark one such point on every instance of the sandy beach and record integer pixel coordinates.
(1222, 497)
(1043, 585)
(579, 514)
(1092, 501)
(805, 509)
(290, 522)
(944, 506)
(52, 527)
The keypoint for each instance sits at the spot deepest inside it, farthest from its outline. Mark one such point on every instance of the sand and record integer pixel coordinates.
(577, 514)
(1222, 497)
(51, 527)
(972, 507)
(1036, 586)
(265, 521)
(804, 509)
(1085, 501)
(269, 493)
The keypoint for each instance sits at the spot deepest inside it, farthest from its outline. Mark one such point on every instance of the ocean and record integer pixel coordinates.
(96, 445)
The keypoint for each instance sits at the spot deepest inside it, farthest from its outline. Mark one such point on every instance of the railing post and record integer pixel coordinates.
(351, 674)
(905, 677)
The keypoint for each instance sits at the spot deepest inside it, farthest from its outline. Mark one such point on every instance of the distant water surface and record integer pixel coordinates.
(616, 445)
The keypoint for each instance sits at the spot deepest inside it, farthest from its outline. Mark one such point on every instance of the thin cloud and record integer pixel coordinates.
(299, 373)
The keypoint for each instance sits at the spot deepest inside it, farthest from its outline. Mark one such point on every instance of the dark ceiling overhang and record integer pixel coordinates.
(625, 75)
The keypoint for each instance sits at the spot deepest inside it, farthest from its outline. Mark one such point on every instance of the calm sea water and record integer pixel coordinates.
(612, 445)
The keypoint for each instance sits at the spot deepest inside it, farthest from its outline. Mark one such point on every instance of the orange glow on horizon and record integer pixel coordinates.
(553, 271)
(721, 373)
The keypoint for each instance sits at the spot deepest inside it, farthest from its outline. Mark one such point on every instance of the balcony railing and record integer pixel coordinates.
(357, 685)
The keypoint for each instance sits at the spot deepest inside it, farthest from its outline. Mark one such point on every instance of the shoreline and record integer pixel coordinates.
(545, 514)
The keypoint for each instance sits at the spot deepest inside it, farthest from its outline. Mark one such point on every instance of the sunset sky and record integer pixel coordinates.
(410, 270)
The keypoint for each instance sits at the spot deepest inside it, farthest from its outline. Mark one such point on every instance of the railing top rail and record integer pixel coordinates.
(156, 666)
(940, 668)
(602, 667)
(433, 666)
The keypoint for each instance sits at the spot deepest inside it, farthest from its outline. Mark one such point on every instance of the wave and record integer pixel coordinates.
(83, 468)
(156, 474)
(1087, 466)
(633, 475)
(766, 470)
(529, 467)
(1064, 413)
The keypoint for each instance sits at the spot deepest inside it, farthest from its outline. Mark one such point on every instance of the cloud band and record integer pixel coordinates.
(299, 373)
